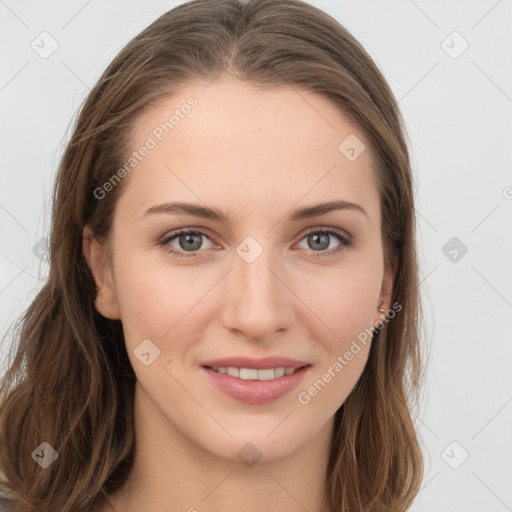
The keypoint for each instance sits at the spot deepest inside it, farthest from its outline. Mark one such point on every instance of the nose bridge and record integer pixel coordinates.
(257, 302)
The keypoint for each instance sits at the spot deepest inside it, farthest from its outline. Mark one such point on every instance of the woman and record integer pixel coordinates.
(231, 314)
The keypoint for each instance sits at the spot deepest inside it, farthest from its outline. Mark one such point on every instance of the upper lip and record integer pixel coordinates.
(257, 364)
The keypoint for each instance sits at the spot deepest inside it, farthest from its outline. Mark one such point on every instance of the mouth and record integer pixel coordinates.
(255, 374)
(255, 386)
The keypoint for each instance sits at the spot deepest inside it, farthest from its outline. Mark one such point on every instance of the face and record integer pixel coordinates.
(252, 279)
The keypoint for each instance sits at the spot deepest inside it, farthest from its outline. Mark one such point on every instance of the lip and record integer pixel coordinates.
(256, 364)
(256, 392)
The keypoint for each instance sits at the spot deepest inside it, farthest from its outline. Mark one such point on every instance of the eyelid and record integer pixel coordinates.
(345, 241)
(206, 232)
(339, 231)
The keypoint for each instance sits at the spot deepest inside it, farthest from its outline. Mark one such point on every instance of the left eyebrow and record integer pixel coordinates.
(321, 209)
(196, 210)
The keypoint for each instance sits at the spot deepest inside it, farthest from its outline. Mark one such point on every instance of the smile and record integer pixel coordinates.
(253, 374)
(249, 386)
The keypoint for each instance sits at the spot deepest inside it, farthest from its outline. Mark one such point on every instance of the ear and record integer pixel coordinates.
(95, 254)
(386, 291)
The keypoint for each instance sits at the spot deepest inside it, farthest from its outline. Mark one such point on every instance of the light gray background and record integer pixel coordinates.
(458, 113)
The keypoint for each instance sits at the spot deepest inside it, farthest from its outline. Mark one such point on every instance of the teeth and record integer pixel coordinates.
(248, 374)
(253, 374)
(264, 374)
(279, 372)
(234, 372)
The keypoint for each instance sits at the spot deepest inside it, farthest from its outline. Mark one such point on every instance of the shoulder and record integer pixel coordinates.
(5, 505)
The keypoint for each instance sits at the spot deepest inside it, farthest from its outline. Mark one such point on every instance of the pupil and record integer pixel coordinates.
(317, 238)
(190, 239)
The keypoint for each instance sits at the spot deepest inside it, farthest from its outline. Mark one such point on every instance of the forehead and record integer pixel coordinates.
(228, 110)
(271, 143)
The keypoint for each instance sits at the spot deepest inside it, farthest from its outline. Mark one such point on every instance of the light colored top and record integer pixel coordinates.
(5, 505)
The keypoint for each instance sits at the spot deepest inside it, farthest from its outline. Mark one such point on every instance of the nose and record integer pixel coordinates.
(257, 302)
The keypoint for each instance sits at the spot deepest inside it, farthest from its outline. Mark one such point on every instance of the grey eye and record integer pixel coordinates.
(319, 241)
(190, 241)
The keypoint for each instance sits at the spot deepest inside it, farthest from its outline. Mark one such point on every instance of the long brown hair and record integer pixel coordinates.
(70, 382)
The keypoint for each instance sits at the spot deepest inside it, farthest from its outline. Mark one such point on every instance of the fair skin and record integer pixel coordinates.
(256, 155)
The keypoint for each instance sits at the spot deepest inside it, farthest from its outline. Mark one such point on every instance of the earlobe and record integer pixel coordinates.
(94, 252)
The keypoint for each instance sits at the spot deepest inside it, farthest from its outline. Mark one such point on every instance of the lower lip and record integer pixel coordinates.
(256, 392)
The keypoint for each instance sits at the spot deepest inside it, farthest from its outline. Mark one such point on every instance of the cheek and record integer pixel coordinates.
(158, 300)
(347, 306)
(345, 300)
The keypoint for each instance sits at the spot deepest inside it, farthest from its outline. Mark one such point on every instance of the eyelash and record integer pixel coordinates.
(345, 241)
